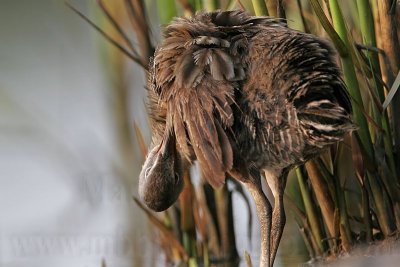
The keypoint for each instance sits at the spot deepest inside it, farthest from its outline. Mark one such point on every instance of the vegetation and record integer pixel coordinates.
(348, 196)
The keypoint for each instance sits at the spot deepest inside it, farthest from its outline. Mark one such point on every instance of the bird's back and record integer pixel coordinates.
(294, 101)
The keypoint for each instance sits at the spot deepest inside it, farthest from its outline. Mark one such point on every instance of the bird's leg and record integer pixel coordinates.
(277, 183)
(264, 213)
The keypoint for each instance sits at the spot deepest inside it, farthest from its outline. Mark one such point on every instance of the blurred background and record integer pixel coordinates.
(62, 200)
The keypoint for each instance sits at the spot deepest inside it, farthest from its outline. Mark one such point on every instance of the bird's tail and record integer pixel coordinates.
(325, 113)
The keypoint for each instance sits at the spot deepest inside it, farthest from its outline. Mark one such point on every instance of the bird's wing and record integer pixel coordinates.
(194, 72)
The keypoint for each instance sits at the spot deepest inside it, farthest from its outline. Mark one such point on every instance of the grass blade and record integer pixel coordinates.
(108, 37)
(117, 27)
(337, 41)
(247, 258)
(392, 92)
(140, 139)
(138, 19)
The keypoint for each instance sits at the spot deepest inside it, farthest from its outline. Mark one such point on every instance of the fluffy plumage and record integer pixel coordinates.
(226, 77)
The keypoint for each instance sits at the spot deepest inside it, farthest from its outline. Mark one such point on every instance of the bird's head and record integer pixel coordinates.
(161, 178)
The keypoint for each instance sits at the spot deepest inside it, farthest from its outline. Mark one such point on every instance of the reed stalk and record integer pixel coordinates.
(350, 77)
(166, 10)
(391, 46)
(369, 39)
(223, 204)
(311, 212)
(260, 8)
(187, 225)
(210, 5)
(322, 195)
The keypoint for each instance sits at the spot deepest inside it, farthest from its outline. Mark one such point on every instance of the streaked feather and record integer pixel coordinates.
(243, 87)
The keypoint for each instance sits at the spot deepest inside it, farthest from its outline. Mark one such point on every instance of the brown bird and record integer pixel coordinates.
(246, 96)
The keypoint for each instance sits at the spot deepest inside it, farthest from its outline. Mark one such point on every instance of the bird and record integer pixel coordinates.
(245, 96)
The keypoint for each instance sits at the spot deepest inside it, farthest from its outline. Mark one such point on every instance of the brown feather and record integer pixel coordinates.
(209, 163)
(246, 87)
(227, 154)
